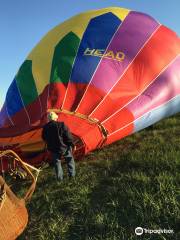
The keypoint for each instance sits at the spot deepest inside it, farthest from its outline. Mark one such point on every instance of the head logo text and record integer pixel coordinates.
(118, 55)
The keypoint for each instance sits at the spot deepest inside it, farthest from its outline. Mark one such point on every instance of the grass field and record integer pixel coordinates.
(132, 183)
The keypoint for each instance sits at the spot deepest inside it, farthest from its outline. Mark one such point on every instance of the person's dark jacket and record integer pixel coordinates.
(57, 137)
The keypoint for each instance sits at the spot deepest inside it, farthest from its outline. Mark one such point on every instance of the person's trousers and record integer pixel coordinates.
(69, 159)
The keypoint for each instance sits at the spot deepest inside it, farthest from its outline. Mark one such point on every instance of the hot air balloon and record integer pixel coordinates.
(108, 73)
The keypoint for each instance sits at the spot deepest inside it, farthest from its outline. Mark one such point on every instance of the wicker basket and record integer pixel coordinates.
(13, 212)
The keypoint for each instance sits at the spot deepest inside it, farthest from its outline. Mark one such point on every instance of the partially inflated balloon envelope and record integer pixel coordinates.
(108, 73)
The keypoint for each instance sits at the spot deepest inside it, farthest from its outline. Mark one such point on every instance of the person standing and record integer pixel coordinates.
(60, 143)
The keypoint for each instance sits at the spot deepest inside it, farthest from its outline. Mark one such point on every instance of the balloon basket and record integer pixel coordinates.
(13, 212)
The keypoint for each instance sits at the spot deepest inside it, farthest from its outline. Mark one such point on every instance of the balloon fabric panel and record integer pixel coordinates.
(110, 70)
(165, 87)
(163, 90)
(42, 54)
(132, 34)
(26, 84)
(98, 34)
(63, 59)
(21, 93)
(144, 69)
(165, 110)
(13, 99)
(64, 54)
(4, 119)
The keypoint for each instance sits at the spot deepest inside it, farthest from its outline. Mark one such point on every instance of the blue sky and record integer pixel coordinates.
(24, 23)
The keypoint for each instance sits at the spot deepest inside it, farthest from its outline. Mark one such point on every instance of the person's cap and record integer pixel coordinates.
(52, 116)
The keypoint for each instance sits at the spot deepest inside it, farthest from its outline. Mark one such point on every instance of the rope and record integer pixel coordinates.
(27, 168)
(2, 167)
(2, 200)
(95, 121)
(34, 168)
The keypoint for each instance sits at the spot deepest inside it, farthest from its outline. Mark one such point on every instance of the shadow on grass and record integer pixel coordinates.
(126, 196)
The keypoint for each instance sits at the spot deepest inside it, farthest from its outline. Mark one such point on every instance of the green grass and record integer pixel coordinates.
(134, 182)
